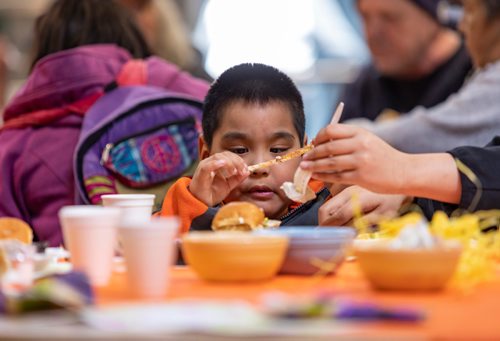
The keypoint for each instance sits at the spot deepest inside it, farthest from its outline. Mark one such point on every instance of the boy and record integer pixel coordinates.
(252, 113)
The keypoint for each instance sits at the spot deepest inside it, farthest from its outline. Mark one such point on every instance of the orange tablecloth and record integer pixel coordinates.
(450, 314)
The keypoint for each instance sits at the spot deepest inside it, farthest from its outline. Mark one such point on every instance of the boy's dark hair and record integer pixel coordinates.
(252, 83)
(492, 8)
(71, 23)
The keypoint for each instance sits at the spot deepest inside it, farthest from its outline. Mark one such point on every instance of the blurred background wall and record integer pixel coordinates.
(317, 42)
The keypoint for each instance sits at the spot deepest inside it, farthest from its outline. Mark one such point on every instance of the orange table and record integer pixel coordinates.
(451, 314)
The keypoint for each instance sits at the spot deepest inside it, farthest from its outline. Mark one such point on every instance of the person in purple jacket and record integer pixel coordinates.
(80, 46)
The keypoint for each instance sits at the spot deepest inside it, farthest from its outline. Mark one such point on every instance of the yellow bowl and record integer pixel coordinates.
(234, 256)
(407, 269)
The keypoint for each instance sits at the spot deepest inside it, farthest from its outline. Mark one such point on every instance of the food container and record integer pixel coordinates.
(408, 269)
(315, 250)
(234, 256)
(361, 242)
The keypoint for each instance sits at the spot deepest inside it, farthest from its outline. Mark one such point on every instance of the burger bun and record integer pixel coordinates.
(238, 216)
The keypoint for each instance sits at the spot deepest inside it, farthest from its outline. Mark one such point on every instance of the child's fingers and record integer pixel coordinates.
(235, 180)
(226, 172)
(208, 168)
(238, 170)
(223, 165)
(228, 169)
(236, 165)
(226, 166)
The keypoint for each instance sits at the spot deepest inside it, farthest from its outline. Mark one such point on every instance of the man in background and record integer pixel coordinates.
(416, 61)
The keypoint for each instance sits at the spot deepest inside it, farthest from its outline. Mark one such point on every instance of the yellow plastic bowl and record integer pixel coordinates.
(398, 269)
(234, 256)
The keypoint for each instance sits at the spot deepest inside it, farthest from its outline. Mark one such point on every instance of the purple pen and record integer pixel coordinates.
(370, 311)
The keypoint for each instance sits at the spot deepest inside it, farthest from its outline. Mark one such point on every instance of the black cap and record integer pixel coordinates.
(429, 6)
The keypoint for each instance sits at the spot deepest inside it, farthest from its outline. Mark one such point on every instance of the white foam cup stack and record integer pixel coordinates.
(149, 250)
(90, 236)
(136, 208)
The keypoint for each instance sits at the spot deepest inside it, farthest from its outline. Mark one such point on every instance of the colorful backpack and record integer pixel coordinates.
(138, 136)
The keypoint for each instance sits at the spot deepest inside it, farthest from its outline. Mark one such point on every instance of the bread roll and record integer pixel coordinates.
(14, 228)
(238, 216)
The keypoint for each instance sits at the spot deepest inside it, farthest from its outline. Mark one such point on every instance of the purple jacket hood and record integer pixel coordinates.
(64, 77)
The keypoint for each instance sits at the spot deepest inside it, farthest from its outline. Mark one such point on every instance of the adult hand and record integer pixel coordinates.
(351, 155)
(339, 210)
(216, 176)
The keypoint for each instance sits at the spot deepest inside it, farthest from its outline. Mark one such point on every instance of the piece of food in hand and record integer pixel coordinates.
(280, 159)
(14, 228)
(241, 216)
(299, 190)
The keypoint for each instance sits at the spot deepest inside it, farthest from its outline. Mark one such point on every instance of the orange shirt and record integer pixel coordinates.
(180, 202)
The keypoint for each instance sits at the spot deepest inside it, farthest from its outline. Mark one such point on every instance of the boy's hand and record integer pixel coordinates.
(216, 176)
(340, 209)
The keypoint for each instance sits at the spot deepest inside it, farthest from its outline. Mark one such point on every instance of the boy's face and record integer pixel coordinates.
(259, 133)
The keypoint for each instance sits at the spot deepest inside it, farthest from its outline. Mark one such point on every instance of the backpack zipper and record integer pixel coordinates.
(105, 153)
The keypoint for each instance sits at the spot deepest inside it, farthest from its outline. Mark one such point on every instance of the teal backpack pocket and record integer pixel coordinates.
(154, 156)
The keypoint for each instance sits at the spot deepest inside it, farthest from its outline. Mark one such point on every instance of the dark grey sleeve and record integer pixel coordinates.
(468, 118)
(204, 221)
(355, 97)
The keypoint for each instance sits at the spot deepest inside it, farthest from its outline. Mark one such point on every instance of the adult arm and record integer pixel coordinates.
(484, 162)
(469, 117)
(353, 156)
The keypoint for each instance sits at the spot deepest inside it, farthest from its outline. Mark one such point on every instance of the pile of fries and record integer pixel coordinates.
(477, 232)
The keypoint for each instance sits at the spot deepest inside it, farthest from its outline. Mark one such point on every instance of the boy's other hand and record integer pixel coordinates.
(339, 210)
(216, 176)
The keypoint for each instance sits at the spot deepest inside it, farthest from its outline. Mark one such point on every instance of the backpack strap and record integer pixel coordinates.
(133, 72)
(47, 116)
